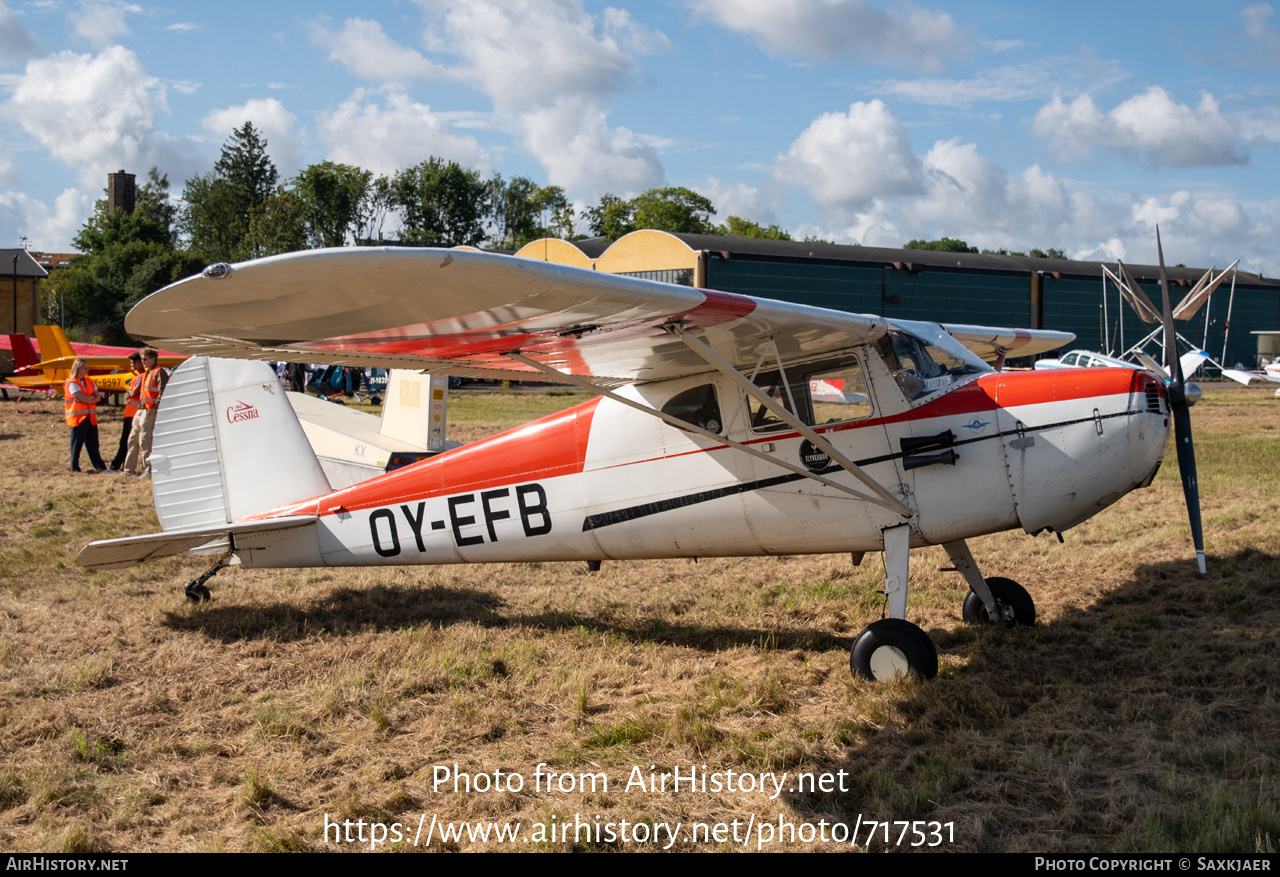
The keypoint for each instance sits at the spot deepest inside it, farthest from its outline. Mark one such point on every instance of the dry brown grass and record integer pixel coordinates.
(1140, 713)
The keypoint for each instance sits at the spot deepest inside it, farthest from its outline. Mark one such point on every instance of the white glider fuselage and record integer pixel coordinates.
(1037, 450)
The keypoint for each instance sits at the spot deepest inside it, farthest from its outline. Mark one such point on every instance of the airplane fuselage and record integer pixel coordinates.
(991, 452)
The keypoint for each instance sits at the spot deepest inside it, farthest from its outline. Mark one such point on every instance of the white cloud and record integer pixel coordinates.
(965, 190)
(16, 45)
(553, 66)
(183, 27)
(1258, 30)
(967, 196)
(1035, 79)
(848, 158)
(367, 52)
(102, 22)
(587, 158)
(739, 199)
(96, 113)
(562, 50)
(49, 229)
(8, 173)
(391, 134)
(273, 122)
(907, 37)
(1151, 125)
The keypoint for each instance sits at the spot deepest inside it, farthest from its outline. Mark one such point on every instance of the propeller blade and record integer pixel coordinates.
(1181, 417)
(1187, 469)
(1172, 365)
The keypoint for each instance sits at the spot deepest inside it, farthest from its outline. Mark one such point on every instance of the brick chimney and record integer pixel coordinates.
(121, 192)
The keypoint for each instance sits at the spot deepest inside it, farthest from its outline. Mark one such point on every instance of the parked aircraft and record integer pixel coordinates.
(353, 446)
(705, 438)
(1190, 362)
(108, 366)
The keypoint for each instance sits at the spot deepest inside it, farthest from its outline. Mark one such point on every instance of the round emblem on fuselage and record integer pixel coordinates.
(814, 460)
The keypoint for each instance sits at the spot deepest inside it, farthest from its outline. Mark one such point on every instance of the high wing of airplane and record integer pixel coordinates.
(716, 430)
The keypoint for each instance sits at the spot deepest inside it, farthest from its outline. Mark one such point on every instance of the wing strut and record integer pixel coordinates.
(885, 499)
(721, 365)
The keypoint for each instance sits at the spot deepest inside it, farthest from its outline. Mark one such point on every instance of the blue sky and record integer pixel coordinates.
(1006, 124)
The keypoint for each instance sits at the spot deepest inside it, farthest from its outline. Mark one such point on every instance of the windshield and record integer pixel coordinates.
(924, 358)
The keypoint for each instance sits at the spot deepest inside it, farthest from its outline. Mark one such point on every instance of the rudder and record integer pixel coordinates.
(227, 444)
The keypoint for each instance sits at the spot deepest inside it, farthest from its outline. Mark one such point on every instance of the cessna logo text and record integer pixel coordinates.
(241, 411)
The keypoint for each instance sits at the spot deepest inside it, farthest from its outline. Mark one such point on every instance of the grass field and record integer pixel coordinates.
(1141, 713)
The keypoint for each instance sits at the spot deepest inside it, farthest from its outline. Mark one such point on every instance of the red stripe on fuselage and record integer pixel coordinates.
(547, 448)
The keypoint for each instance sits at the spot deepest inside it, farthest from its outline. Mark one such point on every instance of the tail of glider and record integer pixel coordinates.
(54, 343)
(24, 354)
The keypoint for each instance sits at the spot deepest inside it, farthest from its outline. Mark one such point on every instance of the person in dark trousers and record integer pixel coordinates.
(82, 398)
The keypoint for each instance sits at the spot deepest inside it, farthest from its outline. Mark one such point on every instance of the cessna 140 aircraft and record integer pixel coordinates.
(704, 438)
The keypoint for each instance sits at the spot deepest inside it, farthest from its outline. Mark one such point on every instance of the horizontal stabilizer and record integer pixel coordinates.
(116, 553)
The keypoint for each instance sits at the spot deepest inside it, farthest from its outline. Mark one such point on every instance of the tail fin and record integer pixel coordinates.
(24, 354)
(415, 409)
(54, 343)
(227, 444)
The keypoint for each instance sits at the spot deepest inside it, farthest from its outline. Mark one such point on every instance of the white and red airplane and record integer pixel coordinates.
(705, 438)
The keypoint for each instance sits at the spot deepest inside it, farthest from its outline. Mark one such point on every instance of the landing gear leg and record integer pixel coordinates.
(893, 646)
(195, 589)
(994, 600)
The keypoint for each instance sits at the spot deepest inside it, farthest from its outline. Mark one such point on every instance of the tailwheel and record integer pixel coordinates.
(890, 648)
(195, 589)
(1013, 605)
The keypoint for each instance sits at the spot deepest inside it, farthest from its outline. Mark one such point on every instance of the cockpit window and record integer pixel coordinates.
(697, 406)
(791, 394)
(826, 392)
(919, 368)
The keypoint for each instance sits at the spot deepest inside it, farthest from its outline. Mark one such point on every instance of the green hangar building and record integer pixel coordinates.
(986, 289)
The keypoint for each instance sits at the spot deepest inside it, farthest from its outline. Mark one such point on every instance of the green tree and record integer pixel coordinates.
(441, 204)
(278, 225)
(524, 211)
(1051, 253)
(673, 209)
(125, 257)
(223, 206)
(152, 219)
(332, 199)
(737, 227)
(942, 245)
(611, 218)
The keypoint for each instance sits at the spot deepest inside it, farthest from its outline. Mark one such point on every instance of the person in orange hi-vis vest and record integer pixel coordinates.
(133, 401)
(154, 379)
(82, 398)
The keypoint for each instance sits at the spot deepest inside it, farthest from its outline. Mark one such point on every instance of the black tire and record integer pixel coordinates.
(887, 647)
(1009, 594)
(198, 593)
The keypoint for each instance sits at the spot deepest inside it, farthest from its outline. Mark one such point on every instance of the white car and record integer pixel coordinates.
(1084, 359)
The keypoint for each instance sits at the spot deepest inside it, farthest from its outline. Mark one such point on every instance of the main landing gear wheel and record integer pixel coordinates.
(197, 593)
(1013, 603)
(890, 648)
